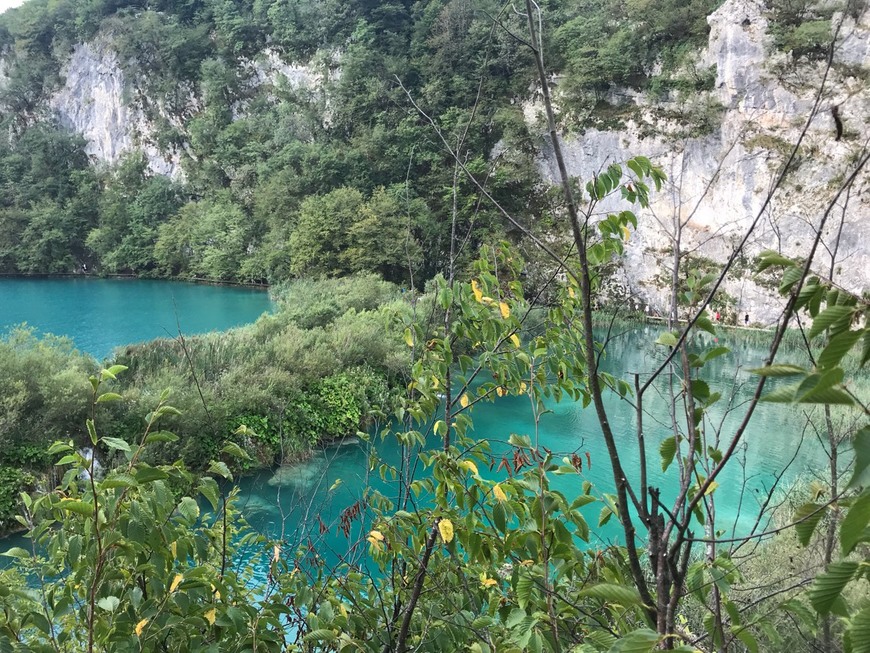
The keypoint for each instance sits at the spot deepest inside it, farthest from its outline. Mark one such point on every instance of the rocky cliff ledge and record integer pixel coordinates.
(719, 181)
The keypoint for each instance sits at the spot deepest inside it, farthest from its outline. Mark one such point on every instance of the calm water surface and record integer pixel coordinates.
(101, 314)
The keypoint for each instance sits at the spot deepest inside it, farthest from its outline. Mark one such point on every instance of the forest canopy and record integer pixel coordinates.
(260, 158)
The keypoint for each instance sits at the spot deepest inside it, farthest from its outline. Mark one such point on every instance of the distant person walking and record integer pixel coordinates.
(746, 320)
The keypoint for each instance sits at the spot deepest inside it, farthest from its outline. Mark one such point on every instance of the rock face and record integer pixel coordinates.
(92, 103)
(97, 102)
(719, 183)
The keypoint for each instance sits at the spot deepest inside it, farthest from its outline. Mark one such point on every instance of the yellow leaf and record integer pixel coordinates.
(409, 338)
(505, 310)
(210, 616)
(475, 288)
(343, 610)
(516, 340)
(570, 292)
(626, 234)
(523, 388)
(445, 527)
(376, 535)
(487, 300)
(463, 401)
(377, 545)
(276, 553)
(527, 563)
(487, 582)
(174, 548)
(468, 466)
(175, 583)
(499, 391)
(712, 488)
(140, 627)
(499, 493)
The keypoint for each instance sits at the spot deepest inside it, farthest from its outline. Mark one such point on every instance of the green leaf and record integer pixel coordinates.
(234, 450)
(859, 631)
(668, 339)
(59, 447)
(189, 509)
(715, 353)
(700, 389)
(638, 641)
(40, 622)
(831, 396)
(779, 370)
(92, 431)
(854, 527)
(770, 258)
(109, 603)
(209, 489)
(525, 584)
(119, 480)
(818, 383)
(116, 443)
(861, 447)
(147, 474)
(160, 436)
(827, 587)
(837, 348)
(321, 635)
(76, 506)
(668, 449)
(520, 441)
(16, 552)
(612, 593)
(600, 639)
(109, 396)
(783, 395)
(748, 639)
(806, 519)
(789, 278)
(219, 468)
(830, 317)
(704, 323)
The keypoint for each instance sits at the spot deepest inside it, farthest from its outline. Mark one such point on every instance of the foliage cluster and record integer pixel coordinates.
(308, 373)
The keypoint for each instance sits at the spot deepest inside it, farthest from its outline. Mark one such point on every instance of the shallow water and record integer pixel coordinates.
(291, 503)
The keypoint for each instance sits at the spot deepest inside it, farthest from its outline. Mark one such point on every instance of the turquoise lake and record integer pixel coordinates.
(301, 504)
(290, 504)
(101, 314)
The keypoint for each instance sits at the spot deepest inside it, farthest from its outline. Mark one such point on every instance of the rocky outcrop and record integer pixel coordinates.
(95, 102)
(719, 182)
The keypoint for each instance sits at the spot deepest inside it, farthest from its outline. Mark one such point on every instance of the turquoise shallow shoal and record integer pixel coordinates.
(291, 503)
(101, 314)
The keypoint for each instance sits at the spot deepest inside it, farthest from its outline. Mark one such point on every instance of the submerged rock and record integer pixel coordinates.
(303, 475)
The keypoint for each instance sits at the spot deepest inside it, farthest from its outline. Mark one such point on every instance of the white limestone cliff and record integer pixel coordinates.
(94, 102)
(719, 182)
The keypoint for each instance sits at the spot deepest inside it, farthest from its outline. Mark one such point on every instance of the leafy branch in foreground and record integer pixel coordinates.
(129, 562)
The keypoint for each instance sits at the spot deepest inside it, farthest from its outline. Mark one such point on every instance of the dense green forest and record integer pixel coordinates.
(264, 164)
